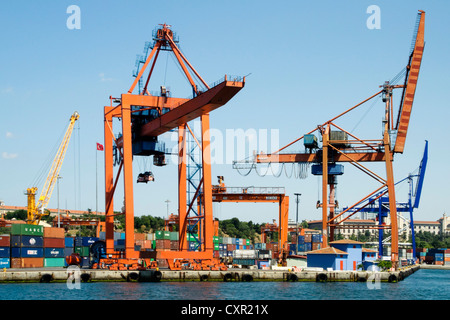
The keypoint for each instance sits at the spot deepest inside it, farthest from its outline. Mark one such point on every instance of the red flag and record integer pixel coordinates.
(99, 147)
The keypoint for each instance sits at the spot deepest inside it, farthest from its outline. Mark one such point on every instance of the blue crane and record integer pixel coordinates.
(379, 203)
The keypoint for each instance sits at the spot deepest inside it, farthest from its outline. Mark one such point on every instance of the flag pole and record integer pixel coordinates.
(96, 181)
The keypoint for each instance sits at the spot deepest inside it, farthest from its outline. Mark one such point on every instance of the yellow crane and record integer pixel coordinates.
(35, 211)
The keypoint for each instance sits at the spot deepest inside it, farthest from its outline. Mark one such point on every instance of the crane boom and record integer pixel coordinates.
(413, 68)
(35, 211)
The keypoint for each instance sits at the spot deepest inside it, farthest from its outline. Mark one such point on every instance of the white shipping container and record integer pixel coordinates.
(245, 254)
(151, 236)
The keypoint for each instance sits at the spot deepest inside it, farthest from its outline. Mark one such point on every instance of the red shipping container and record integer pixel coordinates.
(162, 244)
(27, 262)
(173, 245)
(54, 243)
(50, 232)
(5, 240)
(140, 236)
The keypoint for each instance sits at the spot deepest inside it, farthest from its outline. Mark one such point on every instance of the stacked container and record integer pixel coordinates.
(68, 247)
(54, 244)
(82, 247)
(5, 251)
(27, 246)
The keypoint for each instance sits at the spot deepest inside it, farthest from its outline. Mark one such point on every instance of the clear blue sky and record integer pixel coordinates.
(308, 61)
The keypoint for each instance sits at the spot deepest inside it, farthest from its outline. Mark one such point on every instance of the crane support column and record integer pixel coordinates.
(207, 184)
(392, 201)
(109, 181)
(325, 138)
(182, 187)
(128, 177)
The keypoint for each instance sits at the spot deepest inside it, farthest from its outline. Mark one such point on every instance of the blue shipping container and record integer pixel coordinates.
(5, 252)
(27, 241)
(54, 253)
(85, 241)
(69, 242)
(27, 252)
(5, 263)
(301, 239)
(68, 251)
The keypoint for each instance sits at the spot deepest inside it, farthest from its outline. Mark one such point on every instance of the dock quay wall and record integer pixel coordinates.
(237, 275)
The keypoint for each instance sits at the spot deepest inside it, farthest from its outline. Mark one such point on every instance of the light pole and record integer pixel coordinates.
(167, 201)
(297, 200)
(57, 187)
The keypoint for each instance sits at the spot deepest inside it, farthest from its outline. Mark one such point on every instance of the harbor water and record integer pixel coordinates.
(424, 284)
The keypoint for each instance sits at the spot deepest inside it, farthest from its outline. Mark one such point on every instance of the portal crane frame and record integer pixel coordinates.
(173, 113)
(359, 151)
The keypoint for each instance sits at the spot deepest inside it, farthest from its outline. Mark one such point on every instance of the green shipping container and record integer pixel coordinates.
(82, 251)
(27, 230)
(174, 236)
(54, 262)
(216, 246)
(248, 242)
(162, 235)
(215, 240)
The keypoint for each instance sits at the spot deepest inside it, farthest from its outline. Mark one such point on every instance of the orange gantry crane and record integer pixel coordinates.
(221, 193)
(339, 145)
(144, 117)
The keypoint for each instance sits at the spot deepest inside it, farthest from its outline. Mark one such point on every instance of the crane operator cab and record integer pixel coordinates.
(145, 177)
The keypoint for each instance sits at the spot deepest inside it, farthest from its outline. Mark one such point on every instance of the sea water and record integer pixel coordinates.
(424, 284)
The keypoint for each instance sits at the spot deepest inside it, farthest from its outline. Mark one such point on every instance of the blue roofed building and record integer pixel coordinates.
(341, 255)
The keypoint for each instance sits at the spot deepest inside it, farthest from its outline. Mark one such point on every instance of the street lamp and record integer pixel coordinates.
(297, 200)
(57, 186)
(167, 201)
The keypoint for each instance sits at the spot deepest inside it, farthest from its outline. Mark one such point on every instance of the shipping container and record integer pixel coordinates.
(27, 230)
(69, 242)
(174, 244)
(5, 240)
(82, 251)
(85, 262)
(54, 253)
(162, 244)
(260, 246)
(139, 236)
(27, 241)
(84, 241)
(54, 242)
(24, 252)
(5, 263)
(54, 262)
(5, 252)
(27, 262)
(162, 235)
(51, 232)
(244, 262)
(68, 251)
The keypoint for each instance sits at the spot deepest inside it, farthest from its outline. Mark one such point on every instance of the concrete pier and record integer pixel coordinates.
(235, 275)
